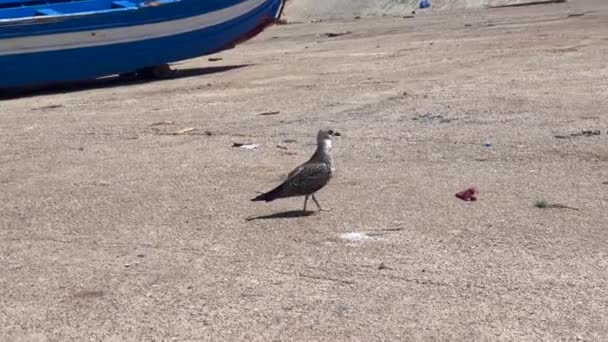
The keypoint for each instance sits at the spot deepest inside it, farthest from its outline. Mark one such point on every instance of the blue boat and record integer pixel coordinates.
(48, 41)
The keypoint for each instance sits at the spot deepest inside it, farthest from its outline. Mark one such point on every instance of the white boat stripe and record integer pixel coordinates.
(53, 42)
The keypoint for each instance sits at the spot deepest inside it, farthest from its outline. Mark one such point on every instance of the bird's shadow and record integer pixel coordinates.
(282, 215)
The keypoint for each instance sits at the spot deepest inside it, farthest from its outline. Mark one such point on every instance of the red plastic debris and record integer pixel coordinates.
(469, 194)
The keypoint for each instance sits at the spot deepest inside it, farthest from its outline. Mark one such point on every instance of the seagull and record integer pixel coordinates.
(310, 176)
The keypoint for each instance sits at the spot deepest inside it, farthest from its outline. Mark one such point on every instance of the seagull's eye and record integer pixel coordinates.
(331, 132)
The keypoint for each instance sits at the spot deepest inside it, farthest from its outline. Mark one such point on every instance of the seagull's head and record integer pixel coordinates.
(324, 137)
(326, 134)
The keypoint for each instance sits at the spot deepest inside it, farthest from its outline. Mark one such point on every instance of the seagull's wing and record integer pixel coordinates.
(295, 171)
(307, 178)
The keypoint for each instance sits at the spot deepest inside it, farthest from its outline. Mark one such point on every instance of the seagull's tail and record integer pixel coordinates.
(270, 195)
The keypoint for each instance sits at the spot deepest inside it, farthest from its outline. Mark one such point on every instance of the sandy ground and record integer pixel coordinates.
(115, 229)
(342, 9)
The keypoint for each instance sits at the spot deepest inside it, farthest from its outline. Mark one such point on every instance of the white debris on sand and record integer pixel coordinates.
(354, 237)
(250, 146)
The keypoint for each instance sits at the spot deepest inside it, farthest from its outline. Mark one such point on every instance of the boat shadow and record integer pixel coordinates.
(109, 82)
(282, 215)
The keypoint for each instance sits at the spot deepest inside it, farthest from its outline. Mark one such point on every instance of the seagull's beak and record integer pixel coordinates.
(337, 134)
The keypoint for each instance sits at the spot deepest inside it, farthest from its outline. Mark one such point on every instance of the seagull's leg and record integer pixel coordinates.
(317, 203)
(305, 200)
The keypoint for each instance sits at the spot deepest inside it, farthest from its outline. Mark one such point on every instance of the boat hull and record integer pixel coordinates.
(65, 50)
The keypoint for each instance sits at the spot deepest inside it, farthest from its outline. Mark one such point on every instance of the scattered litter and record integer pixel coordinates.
(425, 4)
(408, 16)
(382, 266)
(430, 117)
(531, 3)
(357, 17)
(605, 183)
(140, 255)
(289, 141)
(382, 232)
(214, 59)
(282, 147)
(161, 123)
(127, 265)
(48, 107)
(184, 131)
(336, 34)
(391, 229)
(189, 131)
(587, 133)
(572, 15)
(487, 145)
(426, 117)
(246, 146)
(468, 195)
(468, 25)
(546, 205)
(269, 113)
(354, 237)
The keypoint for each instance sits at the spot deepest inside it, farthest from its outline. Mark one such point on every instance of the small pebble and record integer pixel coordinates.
(382, 266)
